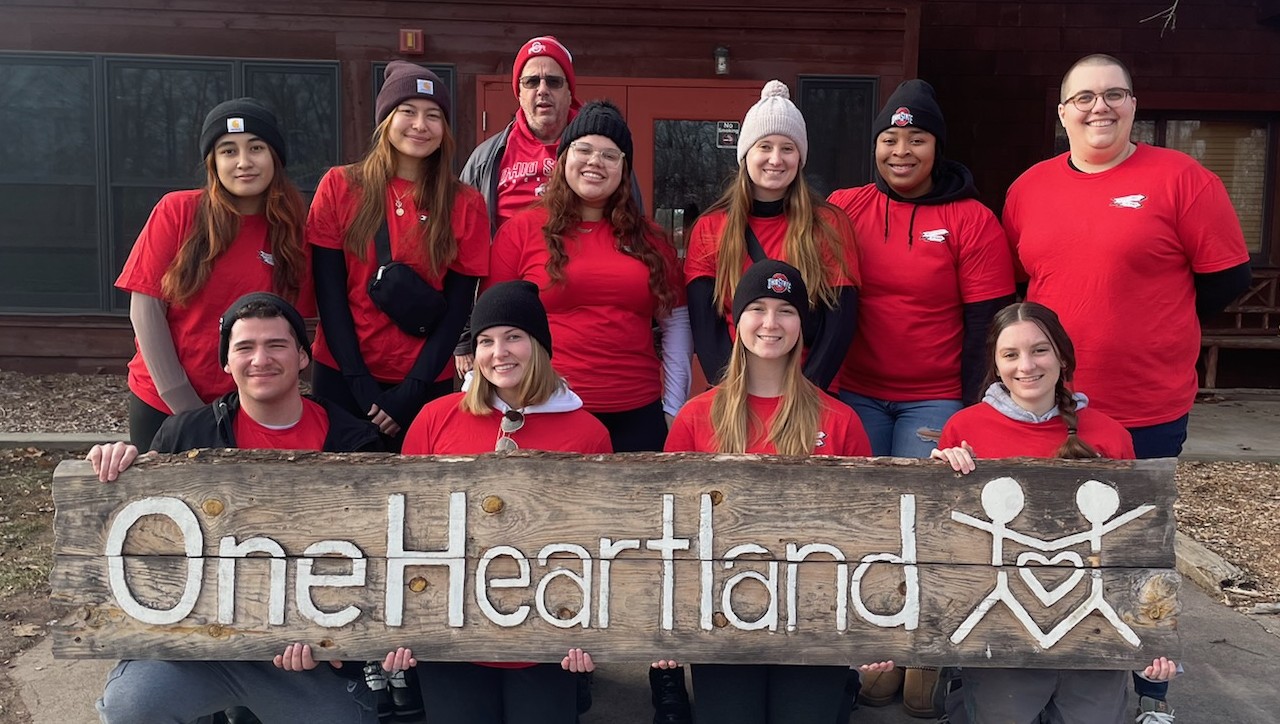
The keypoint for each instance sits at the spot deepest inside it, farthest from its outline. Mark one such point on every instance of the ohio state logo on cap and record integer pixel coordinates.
(778, 283)
(537, 47)
(902, 117)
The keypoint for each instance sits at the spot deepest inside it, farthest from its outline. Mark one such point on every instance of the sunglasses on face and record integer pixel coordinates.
(554, 82)
(512, 421)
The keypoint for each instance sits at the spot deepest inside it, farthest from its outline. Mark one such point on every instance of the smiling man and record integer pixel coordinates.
(1132, 245)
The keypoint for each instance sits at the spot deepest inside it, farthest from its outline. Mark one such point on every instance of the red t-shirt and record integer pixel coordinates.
(1113, 253)
(389, 352)
(524, 170)
(601, 313)
(839, 429)
(444, 428)
(246, 266)
(308, 433)
(991, 434)
(704, 246)
(911, 302)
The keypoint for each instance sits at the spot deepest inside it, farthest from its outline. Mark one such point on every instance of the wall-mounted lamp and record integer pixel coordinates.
(722, 60)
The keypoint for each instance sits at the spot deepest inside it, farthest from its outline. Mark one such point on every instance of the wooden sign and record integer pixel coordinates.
(232, 555)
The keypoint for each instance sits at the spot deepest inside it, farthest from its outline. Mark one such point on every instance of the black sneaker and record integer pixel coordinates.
(376, 679)
(406, 697)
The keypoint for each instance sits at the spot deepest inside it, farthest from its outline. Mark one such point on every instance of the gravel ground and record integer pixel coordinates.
(63, 403)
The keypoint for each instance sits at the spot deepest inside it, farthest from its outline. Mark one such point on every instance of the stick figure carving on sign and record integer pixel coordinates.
(1002, 501)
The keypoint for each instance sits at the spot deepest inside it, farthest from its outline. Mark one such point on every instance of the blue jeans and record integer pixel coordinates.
(893, 427)
(1160, 441)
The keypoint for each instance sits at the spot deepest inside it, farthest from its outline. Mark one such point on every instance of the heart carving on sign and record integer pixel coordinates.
(1050, 596)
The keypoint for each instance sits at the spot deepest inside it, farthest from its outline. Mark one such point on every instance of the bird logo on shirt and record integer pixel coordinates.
(937, 236)
(1132, 201)
(267, 258)
(822, 439)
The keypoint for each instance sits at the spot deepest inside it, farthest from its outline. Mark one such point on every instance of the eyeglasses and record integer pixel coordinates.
(512, 421)
(530, 82)
(584, 152)
(1112, 97)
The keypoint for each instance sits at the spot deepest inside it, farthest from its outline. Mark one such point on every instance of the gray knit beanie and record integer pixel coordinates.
(773, 113)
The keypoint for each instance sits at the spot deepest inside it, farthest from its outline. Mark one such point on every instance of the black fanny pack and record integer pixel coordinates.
(402, 294)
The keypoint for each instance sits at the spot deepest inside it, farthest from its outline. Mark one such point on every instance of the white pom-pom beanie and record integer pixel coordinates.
(774, 113)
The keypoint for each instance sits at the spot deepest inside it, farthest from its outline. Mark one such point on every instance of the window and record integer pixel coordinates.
(94, 141)
(1236, 147)
(838, 111)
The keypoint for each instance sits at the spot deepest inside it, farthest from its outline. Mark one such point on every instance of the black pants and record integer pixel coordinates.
(767, 694)
(329, 384)
(144, 422)
(474, 694)
(643, 429)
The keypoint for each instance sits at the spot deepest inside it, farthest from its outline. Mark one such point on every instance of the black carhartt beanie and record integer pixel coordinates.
(914, 103)
(243, 115)
(233, 314)
(512, 304)
(599, 118)
(776, 280)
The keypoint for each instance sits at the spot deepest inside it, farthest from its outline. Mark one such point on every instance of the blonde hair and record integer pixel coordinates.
(539, 384)
(812, 241)
(794, 427)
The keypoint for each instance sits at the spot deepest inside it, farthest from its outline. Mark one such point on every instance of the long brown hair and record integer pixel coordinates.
(811, 243)
(216, 225)
(794, 427)
(539, 384)
(1047, 320)
(434, 191)
(634, 235)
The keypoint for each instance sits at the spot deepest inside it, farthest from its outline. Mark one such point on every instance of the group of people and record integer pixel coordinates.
(859, 325)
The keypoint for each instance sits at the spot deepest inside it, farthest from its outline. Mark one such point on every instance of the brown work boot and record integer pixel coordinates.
(880, 687)
(917, 692)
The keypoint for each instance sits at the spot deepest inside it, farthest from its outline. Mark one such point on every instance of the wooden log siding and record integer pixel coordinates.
(701, 558)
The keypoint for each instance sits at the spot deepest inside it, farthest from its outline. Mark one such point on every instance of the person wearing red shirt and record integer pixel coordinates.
(935, 268)
(200, 250)
(513, 400)
(263, 348)
(746, 414)
(769, 212)
(385, 359)
(1029, 411)
(1133, 245)
(605, 272)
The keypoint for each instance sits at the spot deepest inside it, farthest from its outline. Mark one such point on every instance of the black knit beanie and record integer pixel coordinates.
(598, 118)
(775, 280)
(403, 80)
(512, 304)
(913, 104)
(243, 115)
(232, 315)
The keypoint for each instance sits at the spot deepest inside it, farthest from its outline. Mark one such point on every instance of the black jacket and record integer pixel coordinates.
(211, 426)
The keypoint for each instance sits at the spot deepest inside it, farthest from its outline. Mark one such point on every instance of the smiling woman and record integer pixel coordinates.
(204, 248)
(397, 247)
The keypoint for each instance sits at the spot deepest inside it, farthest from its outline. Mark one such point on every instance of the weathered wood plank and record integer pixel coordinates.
(629, 556)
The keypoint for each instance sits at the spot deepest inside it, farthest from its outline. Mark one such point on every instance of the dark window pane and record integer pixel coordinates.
(305, 99)
(49, 247)
(154, 113)
(838, 114)
(689, 172)
(48, 135)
